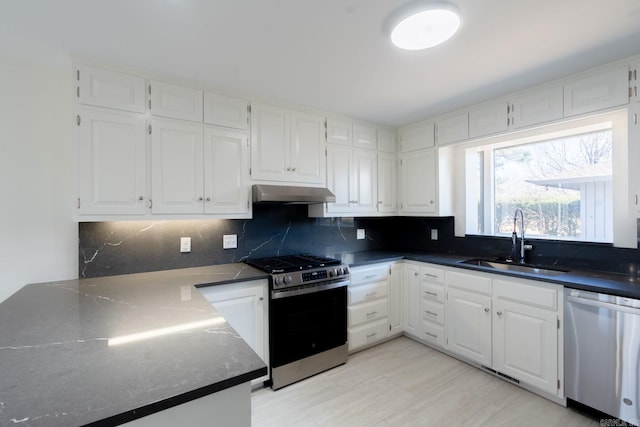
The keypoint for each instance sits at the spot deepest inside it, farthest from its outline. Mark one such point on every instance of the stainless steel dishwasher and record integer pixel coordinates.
(602, 352)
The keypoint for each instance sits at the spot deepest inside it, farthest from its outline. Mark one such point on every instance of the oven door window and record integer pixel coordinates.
(304, 325)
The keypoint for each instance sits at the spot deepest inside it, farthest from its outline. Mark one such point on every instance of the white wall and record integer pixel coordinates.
(38, 239)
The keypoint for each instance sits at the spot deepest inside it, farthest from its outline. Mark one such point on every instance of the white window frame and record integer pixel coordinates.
(624, 224)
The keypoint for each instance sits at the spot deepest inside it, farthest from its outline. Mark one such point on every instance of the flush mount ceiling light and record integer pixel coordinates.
(421, 25)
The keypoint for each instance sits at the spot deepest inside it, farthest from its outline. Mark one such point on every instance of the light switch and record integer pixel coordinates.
(185, 244)
(229, 241)
(434, 234)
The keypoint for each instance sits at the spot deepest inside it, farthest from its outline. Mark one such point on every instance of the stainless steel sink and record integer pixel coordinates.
(521, 268)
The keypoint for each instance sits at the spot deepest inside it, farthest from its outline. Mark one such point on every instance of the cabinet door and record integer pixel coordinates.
(244, 307)
(525, 344)
(176, 168)
(395, 299)
(488, 119)
(596, 92)
(541, 106)
(339, 177)
(225, 111)
(225, 167)
(365, 180)
(386, 141)
(176, 102)
(270, 141)
(307, 158)
(411, 306)
(110, 89)
(387, 184)
(468, 326)
(112, 163)
(416, 137)
(365, 137)
(452, 129)
(418, 182)
(339, 132)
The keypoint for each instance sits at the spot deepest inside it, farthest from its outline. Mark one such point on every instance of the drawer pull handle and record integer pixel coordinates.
(433, 294)
(431, 335)
(372, 313)
(370, 276)
(372, 335)
(431, 313)
(372, 294)
(433, 276)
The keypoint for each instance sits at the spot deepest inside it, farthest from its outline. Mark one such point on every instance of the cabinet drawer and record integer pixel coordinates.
(368, 334)
(536, 295)
(369, 292)
(433, 311)
(433, 292)
(368, 311)
(369, 274)
(432, 333)
(430, 274)
(470, 282)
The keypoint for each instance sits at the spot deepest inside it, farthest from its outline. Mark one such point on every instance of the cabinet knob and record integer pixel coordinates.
(261, 299)
(293, 169)
(486, 310)
(200, 199)
(208, 199)
(431, 202)
(416, 274)
(499, 313)
(141, 198)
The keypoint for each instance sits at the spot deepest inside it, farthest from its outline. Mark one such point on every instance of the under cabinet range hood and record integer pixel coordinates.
(291, 194)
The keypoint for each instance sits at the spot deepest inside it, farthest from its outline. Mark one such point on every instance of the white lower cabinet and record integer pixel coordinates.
(245, 307)
(509, 325)
(368, 305)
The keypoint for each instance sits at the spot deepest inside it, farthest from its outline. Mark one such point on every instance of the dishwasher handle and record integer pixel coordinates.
(605, 305)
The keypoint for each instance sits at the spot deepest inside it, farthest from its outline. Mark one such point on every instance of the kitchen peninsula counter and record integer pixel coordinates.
(113, 349)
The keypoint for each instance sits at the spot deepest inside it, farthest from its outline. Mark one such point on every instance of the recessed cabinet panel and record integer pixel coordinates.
(110, 89)
(307, 159)
(365, 137)
(176, 168)
(177, 102)
(270, 140)
(112, 162)
(339, 177)
(339, 132)
(541, 106)
(452, 129)
(468, 327)
(488, 119)
(386, 141)
(225, 111)
(417, 137)
(387, 182)
(596, 92)
(365, 170)
(418, 186)
(225, 164)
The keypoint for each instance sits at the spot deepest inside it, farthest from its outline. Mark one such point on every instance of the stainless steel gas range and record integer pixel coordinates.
(307, 315)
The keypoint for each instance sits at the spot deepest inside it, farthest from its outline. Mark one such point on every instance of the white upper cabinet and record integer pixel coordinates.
(488, 119)
(352, 177)
(286, 146)
(112, 162)
(225, 171)
(418, 182)
(173, 101)
(225, 111)
(339, 132)
(597, 91)
(387, 182)
(416, 137)
(539, 106)
(365, 137)
(365, 181)
(339, 178)
(177, 176)
(452, 128)
(109, 89)
(386, 141)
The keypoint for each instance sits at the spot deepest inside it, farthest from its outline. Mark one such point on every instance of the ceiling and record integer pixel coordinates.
(331, 55)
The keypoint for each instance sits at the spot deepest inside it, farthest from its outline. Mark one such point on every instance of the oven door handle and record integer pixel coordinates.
(284, 293)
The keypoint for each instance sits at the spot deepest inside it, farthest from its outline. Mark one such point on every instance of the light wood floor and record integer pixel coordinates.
(404, 383)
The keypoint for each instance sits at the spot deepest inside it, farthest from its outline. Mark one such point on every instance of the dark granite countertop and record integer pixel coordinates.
(594, 281)
(77, 352)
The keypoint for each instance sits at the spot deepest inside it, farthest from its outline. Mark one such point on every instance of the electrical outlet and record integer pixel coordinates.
(360, 235)
(434, 234)
(229, 241)
(185, 244)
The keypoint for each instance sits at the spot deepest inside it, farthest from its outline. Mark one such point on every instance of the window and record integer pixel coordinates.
(561, 180)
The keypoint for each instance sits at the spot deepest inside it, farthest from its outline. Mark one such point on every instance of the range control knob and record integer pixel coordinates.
(345, 271)
(288, 279)
(278, 280)
(333, 272)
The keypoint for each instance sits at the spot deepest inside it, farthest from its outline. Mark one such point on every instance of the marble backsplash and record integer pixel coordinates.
(110, 248)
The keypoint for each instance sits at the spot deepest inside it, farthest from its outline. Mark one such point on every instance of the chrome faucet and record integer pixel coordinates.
(514, 235)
